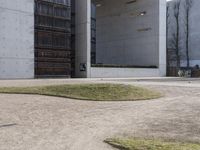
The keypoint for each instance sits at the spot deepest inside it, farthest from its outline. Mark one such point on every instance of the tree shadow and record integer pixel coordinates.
(7, 125)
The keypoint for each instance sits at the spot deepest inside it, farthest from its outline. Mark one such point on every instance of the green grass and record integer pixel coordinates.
(141, 144)
(97, 92)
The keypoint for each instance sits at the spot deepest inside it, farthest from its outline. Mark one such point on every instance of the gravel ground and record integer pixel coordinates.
(30, 122)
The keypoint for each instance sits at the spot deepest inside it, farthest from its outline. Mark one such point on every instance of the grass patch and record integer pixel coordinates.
(141, 144)
(97, 92)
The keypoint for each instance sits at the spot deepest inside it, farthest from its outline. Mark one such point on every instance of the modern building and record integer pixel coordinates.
(82, 38)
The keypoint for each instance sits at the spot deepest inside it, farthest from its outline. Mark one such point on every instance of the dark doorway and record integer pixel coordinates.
(53, 38)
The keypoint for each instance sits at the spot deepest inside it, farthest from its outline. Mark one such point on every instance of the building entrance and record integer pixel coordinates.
(53, 38)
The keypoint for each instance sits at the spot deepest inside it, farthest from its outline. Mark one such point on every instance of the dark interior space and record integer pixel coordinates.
(53, 38)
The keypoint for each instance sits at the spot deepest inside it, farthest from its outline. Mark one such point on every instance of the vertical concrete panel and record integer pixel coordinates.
(16, 39)
(162, 38)
(83, 44)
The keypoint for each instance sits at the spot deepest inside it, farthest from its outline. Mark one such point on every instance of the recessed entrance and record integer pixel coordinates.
(53, 38)
(124, 34)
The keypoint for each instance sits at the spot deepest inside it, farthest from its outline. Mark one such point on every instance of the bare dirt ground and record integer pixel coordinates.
(30, 122)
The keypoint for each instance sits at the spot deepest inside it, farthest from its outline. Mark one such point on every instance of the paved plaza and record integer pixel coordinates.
(33, 122)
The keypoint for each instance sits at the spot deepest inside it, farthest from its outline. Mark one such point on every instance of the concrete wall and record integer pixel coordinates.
(16, 39)
(123, 72)
(119, 39)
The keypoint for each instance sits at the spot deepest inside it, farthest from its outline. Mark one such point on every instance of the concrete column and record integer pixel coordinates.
(83, 38)
(162, 38)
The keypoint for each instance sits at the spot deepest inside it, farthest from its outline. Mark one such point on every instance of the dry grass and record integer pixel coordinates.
(141, 144)
(96, 92)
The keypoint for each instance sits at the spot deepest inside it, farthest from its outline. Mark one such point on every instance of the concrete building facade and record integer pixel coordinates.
(129, 37)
